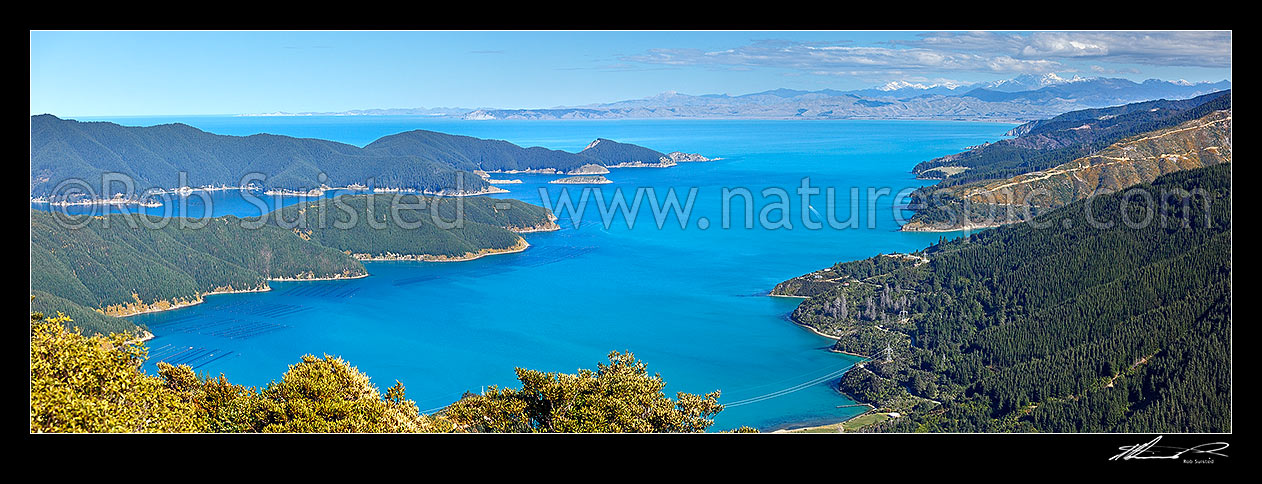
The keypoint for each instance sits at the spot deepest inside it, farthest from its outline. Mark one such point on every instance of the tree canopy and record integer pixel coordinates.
(93, 383)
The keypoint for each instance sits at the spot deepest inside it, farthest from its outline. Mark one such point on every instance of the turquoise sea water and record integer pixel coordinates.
(689, 302)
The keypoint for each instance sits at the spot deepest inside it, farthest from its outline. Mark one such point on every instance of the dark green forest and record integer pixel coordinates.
(1065, 328)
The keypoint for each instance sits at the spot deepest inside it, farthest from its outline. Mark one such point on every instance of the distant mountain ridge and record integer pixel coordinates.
(1023, 98)
(424, 161)
(155, 156)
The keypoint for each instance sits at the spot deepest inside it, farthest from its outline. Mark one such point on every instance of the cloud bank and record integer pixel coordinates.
(979, 52)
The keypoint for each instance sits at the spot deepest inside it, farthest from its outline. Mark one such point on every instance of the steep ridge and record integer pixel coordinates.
(1139, 158)
(1046, 143)
(1197, 143)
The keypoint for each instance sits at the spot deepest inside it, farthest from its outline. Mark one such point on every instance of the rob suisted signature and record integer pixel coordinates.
(1151, 450)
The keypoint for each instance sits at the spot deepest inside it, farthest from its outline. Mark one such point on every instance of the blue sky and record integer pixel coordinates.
(181, 73)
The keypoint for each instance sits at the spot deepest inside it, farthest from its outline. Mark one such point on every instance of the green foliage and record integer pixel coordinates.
(87, 319)
(93, 384)
(328, 395)
(617, 397)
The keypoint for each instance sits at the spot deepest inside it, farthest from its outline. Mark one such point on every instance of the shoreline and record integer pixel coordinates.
(202, 297)
(334, 278)
(790, 296)
(831, 349)
(934, 229)
(271, 192)
(520, 247)
(552, 227)
(829, 336)
(468, 256)
(831, 426)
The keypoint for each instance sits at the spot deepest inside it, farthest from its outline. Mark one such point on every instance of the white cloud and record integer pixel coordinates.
(1167, 48)
(829, 58)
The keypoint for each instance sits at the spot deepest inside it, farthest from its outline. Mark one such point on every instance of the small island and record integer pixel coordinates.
(681, 157)
(589, 169)
(582, 180)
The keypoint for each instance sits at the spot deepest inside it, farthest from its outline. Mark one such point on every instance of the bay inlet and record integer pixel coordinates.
(690, 301)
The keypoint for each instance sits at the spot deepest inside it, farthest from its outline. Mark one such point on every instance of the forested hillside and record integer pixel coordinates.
(155, 156)
(1055, 326)
(120, 265)
(421, 227)
(613, 153)
(108, 264)
(468, 153)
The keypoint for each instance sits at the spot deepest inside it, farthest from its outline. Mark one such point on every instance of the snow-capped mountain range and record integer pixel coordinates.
(1023, 98)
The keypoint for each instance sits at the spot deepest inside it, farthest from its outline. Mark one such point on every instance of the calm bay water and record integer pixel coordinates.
(689, 302)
